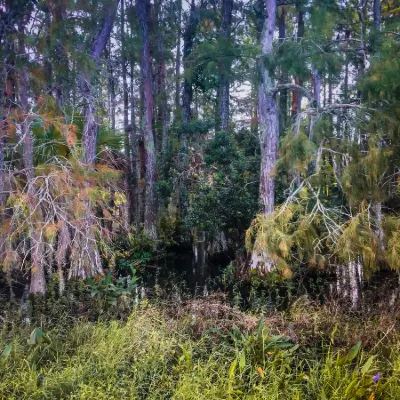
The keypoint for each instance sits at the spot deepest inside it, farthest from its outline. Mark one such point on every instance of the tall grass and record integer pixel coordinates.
(155, 356)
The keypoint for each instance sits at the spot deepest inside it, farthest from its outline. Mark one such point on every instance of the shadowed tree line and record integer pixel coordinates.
(267, 127)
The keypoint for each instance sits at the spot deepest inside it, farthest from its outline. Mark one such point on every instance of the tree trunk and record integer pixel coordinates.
(149, 144)
(188, 37)
(317, 100)
(283, 96)
(268, 115)
(377, 206)
(91, 125)
(127, 128)
(297, 96)
(178, 65)
(268, 130)
(111, 87)
(134, 149)
(38, 282)
(124, 81)
(87, 258)
(224, 66)
(163, 114)
(48, 70)
(377, 15)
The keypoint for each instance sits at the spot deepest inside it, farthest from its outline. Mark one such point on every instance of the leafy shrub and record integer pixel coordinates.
(108, 292)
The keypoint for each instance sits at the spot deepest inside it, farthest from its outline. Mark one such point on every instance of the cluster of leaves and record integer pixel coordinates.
(107, 292)
(225, 197)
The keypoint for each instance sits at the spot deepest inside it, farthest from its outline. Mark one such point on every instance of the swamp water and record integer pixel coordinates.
(179, 278)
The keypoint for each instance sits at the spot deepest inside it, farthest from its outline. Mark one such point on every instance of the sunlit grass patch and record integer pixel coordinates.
(154, 356)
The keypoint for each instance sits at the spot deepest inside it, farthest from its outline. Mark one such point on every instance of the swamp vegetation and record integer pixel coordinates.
(199, 199)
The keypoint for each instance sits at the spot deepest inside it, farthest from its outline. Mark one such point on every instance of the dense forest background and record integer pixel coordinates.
(199, 199)
(267, 129)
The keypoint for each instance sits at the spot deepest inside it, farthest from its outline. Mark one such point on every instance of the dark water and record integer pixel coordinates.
(176, 277)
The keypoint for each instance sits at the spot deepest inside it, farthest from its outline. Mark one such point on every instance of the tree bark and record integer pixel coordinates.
(283, 96)
(134, 149)
(268, 115)
(377, 206)
(87, 260)
(377, 15)
(124, 81)
(188, 37)
(178, 65)
(163, 114)
(297, 96)
(149, 143)
(91, 125)
(224, 66)
(111, 87)
(59, 11)
(127, 128)
(38, 282)
(268, 129)
(317, 100)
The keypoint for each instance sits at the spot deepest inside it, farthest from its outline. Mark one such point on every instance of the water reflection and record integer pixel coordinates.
(183, 277)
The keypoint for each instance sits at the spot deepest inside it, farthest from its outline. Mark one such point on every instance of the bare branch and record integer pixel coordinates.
(293, 86)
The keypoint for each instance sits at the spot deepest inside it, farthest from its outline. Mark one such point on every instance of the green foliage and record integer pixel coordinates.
(364, 178)
(221, 151)
(154, 356)
(107, 293)
(358, 239)
(288, 236)
(37, 336)
(5, 354)
(195, 128)
(258, 347)
(297, 152)
(134, 250)
(226, 198)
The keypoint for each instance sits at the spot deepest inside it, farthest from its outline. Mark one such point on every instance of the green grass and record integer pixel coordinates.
(156, 354)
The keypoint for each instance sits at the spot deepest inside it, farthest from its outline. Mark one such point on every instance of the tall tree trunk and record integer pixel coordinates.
(163, 114)
(87, 258)
(297, 96)
(268, 114)
(377, 15)
(127, 127)
(38, 282)
(149, 143)
(317, 100)
(124, 81)
(56, 14)
(111, 86)
(377, 206)
(283, 96)
(188, 37)
(178, 65)
(141, 162)
(134, 149)
(48, 69)
(224, 66)
(268, 128)
(91, 124)
(180, 191)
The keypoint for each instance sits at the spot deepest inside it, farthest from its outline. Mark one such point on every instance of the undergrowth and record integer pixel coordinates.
(203, 350)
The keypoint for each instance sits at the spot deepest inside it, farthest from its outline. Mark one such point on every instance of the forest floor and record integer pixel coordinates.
(201, 349)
